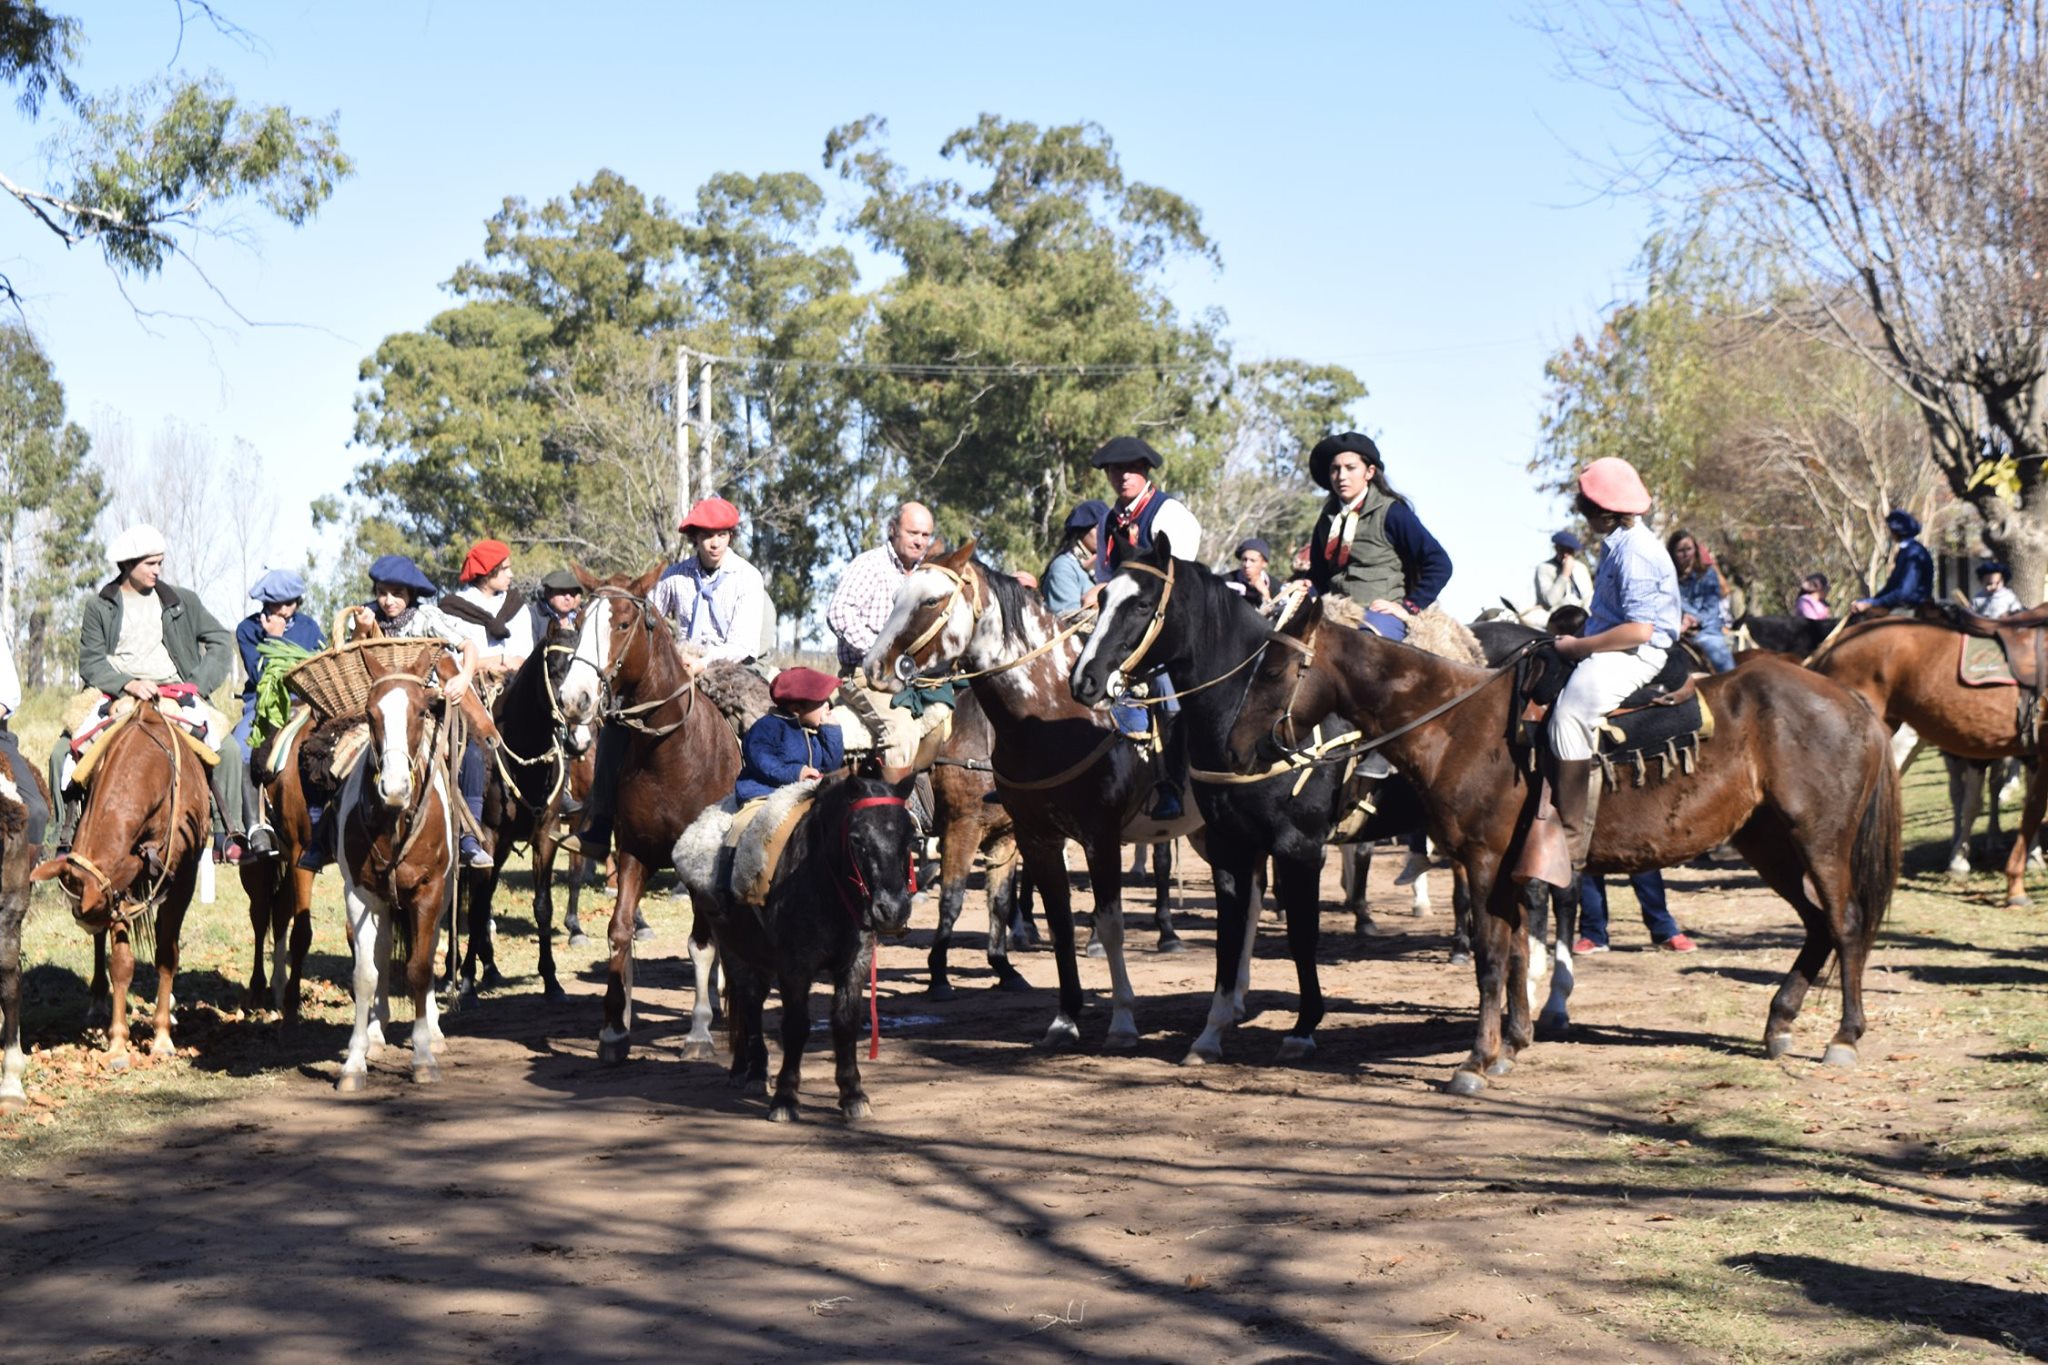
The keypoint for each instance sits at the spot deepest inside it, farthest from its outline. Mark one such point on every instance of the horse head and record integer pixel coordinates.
(877, 842)
(557, 649)
(937, 607)
(398, 716)
(613, 644)
(1285, 685)
(1129, 613)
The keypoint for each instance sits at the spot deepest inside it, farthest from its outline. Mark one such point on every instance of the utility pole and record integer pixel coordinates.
(682, 432)
(705, 472)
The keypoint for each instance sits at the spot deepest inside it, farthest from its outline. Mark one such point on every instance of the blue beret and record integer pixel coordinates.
(402, 571)
(1254, 543)
(1090, 513)
(1993, 566)
(1904, 522)
(278, 585)
(1565, 540)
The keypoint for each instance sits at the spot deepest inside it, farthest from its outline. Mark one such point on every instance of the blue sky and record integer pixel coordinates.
(1397, 188)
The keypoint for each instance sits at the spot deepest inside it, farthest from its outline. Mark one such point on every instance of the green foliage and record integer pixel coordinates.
(144, 166)
(51, 497)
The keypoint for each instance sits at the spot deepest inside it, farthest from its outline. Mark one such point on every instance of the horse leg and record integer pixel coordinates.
(956, 859)
(615, 1039)
(544, 908)
(1231, 872)
(795, 989)
(698, 1047)
(1049, 871)
(1162, 903)
(1357, 870)
(1493, 943)
(169, 923)
(121, 973)
(99, 996)
(1418, 904)
(363, 935)
(301, 942)
(1554, 1022)
(482, 943)
(1524, 957)
(1004, 885)
(384, 926)
(1906, 746)
(13, 1063)
(1298, 880)
(572, 924)
(1965, 793)
(259, 888)
(2030, 823)
(853, 1101)
(419, 980)
(1105, 870)
(1461, 915)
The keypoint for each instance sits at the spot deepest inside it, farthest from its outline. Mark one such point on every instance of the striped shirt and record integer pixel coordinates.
(862, 602)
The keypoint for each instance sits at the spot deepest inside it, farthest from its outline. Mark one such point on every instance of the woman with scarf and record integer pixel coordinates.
(1368, 544)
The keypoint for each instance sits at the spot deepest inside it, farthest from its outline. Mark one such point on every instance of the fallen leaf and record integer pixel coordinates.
(1194, 1282)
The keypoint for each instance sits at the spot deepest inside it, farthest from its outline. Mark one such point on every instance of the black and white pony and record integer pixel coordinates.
(843, 879)
(1158, 612)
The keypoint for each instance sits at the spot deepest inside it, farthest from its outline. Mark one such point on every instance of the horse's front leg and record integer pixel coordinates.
(698, 1047)
(99, 996)
(169, 924)
(1005, 882)
(261, 887)
(1554, 1022)
(427, 1037)
(1049, 871)
(1163, 856)
(1497, 910)
(853, 1101)
(795, 989)
(544, 905)
(1298, 883)
(121, 974)
(2030, 824)
(13, 1063)
(1105, 871)
(1231, 873)
(956, 860)
(1525, 968)
(364, 935)
(615, 1039)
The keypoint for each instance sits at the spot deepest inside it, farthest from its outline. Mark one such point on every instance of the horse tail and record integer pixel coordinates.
(1874, 861)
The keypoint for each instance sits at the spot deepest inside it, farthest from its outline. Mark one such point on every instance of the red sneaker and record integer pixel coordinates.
(1678, 943)
(1585, 946)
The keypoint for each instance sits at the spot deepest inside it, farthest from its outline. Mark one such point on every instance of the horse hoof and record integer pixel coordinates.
(1121, 1042)
(1202, 1055)
(1461, 958)
(756, 1087)
(1361, 925)
(13, 1104)
(117, 1061)
(162, 1047)
(1465, 1083)
(856, 1109)
(1374, 929)
(1172, 945)
(1095, 949)
(1553, 1028)
(1293, 1049)
(644, 934)
(940, 990)
(552, 992)
(1500, 1066)
(2018, 902)
(1418, 912)
(1839, 1054)
(1958, 872)
(699, 1050)
(426, 1075)
(579, 939)
(352, 1083)
(612, 1051)
(782, 1113)
(1777, 1045)
(493, 979)
(1061, 1037)
(1012, 981)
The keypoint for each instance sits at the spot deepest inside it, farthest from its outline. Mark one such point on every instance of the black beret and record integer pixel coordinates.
(1330, 447)
(1127, 450)
(561, 580)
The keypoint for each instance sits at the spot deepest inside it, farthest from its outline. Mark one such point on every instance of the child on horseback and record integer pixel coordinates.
(794, 742)
(1633, 622)
(278, 594)
(1912, 577)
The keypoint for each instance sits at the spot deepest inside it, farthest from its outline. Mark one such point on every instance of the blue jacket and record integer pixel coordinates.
(1912, 580)
(302, 630)
(1700, 595)
(777, 749)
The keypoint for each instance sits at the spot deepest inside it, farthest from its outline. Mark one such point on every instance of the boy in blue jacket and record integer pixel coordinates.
(794, 742)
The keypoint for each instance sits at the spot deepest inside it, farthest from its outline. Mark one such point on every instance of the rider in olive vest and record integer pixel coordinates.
(1368, 544)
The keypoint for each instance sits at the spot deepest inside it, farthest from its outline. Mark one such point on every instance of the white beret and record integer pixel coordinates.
(136, 542)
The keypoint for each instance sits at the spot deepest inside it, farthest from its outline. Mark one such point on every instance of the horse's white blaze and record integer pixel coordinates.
(394, 782)
(1118, 591)
(587, 664)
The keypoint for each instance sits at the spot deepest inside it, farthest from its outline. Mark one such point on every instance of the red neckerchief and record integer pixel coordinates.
(1126, 519)
(1338, 552)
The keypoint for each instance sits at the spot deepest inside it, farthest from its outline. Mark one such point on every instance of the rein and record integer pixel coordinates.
(853, 907)
(977, 607)
(629, 716)
(152, 896)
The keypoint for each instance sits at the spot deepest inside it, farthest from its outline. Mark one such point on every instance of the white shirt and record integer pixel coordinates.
(514, 647)
(1176, 520)
(10, 680)
(720, 613)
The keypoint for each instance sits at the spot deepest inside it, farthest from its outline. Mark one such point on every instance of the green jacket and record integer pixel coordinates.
(201, 647)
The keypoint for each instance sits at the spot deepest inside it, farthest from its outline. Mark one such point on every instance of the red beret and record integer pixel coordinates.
(712, 514)
(805, 686)
(484, 558)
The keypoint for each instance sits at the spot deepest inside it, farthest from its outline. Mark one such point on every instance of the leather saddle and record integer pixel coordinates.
(2023, 636)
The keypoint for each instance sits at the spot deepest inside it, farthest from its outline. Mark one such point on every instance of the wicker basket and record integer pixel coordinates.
(336, 682)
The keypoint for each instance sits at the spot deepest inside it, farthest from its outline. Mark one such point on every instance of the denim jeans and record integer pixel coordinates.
(1649, 889)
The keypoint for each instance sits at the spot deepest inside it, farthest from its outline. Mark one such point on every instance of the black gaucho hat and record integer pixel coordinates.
(1330, 447)
(1127, 450)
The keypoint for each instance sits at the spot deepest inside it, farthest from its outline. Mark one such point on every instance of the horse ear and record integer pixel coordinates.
(374, 662)
(46, 870)
(583, 576)
(644, 584)
(1162, 550)
(957, 558)
(903, 790)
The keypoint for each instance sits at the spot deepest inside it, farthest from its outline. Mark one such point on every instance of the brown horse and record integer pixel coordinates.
(1823, 834)
(1063, 771)
(136, 857)
(280, 891)
(18, 858)
(680, 757)
(970, 824)
(1909, 672)
(398, 822)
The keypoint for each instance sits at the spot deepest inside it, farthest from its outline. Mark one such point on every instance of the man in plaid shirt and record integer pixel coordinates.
(859, 609)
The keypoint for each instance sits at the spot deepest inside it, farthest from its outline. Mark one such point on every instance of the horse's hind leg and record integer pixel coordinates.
(1230, 873)
(795, 989)
(13, 910)
(853, 1101)
(1554, 1022)
(2030, 824)
(1002, 891)
(1461, 915)
(956, 858)
(1163, 858)
(1297, 881)
(1105, 868)
(698, 1047)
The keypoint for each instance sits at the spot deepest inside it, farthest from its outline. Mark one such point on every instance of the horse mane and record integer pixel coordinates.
(1015, 601)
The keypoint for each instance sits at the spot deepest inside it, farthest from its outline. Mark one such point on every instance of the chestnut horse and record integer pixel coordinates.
(136, 856)
(680, 756)
(1798, 776)
(280, 891)
(1908, 671)
(398, 836)
(18, 858)
(1063, 771)
(969, 824)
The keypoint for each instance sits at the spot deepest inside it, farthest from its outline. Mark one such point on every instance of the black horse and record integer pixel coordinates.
(843, 879)
(1794, 635)
(1207, 637)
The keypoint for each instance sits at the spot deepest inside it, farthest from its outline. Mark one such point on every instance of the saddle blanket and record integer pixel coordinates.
(733, 854)
(1670, 735)
(191, 720)
(1983, 663)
